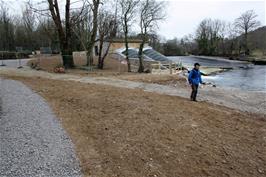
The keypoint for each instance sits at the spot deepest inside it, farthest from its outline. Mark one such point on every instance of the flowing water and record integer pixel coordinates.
(244, 76)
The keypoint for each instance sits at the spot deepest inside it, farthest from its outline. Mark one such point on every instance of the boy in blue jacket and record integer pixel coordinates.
(194, 80)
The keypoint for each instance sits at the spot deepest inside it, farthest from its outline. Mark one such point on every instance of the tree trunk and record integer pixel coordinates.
(102, 58)
(231, 49)
(106, 53)
(141, 66)
(100, 62)
(126, 44)
(127, 58)
(246, 43)
(67, 54)
(90, 52)
(63, 35)
(94, 32)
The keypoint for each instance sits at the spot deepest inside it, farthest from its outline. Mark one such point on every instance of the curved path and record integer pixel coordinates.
(32, 141)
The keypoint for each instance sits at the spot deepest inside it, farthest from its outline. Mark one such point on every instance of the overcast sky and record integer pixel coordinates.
(183, 16)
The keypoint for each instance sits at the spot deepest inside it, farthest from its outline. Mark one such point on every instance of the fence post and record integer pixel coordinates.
(2, 58)
(19, 60)
(159, 67)
(119, 63)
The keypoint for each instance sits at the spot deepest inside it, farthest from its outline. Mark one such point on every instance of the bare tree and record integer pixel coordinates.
(155, 42)
(232, 40)
(128, 10)
(93, 33)
(64, 32)
(82, 25)
(29, 19)
(209, 35)
(64, 25)
(217, 32)
(189, 44)
(29, 22)
(6, 29)
(107, 31)
(245, 23)
(151, 12)
(46, 32)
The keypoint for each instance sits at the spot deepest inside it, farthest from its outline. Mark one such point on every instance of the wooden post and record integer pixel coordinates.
(159, 67)
(119, 63)
(2, 58)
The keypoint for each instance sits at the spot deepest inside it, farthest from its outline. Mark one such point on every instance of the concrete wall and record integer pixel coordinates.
(117, 45)
(80, 58)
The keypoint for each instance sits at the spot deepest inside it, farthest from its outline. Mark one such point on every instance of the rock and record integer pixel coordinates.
(224, 161)
(260, 171)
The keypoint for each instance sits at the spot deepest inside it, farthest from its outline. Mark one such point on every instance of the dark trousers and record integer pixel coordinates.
(194, 92)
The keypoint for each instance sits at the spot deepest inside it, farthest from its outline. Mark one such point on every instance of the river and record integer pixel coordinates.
(244, 76)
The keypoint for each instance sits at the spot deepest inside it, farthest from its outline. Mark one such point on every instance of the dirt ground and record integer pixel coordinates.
(154, 78)
(246, 101)
(49, 63)
(162, 79)
(132, 133)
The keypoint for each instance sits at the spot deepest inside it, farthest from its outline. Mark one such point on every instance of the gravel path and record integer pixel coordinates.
(32, 141)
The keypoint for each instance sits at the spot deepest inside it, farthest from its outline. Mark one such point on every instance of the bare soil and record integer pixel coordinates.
(132, 133)
(155, 79)
(247, 101)
(162, 79)
(49, 63)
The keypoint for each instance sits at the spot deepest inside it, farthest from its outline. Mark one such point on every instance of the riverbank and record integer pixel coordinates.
(218, 58)
(249, 59)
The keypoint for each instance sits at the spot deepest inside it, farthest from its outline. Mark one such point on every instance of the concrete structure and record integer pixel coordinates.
(117, 58)
(117, 44)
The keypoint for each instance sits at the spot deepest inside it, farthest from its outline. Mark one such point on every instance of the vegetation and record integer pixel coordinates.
(79, 25)
(63, 30)
(220, 38)
(209, 36)
(244, 24)
(173, 47)
(256, 42)
(150, 13)
(128, 10)
(107, 30)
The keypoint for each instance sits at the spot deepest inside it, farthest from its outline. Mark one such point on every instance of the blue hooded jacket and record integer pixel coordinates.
(194, 77)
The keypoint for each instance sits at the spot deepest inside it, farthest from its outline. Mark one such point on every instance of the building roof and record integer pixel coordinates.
(122, 40)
